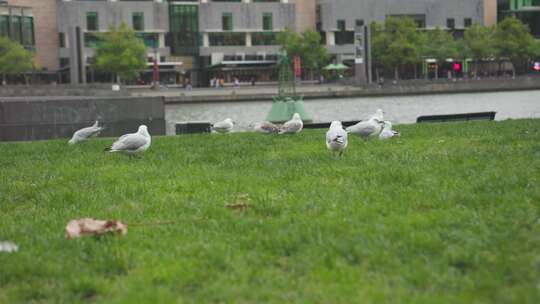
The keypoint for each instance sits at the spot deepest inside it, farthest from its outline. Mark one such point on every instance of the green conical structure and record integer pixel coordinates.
(287, 102)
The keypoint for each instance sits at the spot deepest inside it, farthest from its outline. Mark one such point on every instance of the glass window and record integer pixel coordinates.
(227, 22)
(92, 22)
(184, 33)
(28, 31)
(268, 23)
(16, 28)
(359, 22)
(450, 23)
(341, 25)
(4, 26)
(138, 21)
(467, 22)
(62, 40)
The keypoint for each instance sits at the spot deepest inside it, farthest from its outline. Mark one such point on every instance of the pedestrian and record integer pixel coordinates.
(188, 84)
(213, 82)
(252, 81)
(236, 81)
(222, 82)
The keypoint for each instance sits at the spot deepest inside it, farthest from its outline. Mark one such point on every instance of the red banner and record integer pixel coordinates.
(297, 66)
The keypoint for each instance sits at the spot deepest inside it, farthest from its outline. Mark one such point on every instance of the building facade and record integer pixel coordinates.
(528, 11)
(17, 23)
(80, 20)
(44, 31)
(337, 19)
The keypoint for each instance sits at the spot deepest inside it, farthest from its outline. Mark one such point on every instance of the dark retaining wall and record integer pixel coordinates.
(60, 90)
(34, 118)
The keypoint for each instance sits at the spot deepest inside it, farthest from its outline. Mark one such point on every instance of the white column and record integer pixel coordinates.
(248, 39)
(161, 40)
(330, 38)
(205, 40)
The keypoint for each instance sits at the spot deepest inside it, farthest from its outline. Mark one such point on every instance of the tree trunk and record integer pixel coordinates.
(415, 71)
(437, 72)
(4, 81)
(396, 73)
(476, 63)
(377, 75)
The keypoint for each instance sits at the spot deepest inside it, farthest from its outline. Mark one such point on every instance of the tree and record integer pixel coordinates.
(440, 45)
(478, 44)
(396, 44)
(306, 45)
(514, 42)
(14, 59)
(120, 52)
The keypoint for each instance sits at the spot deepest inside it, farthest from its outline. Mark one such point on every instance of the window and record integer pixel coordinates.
(4, 26)
(16, 33)
(450, 23)
(359, 22)
(27, 31)
(467, 22)
(138, 21)
(268, 23)
(184, 29)
(341, 25)
(62, 40)
(227, 22)
(92, 21)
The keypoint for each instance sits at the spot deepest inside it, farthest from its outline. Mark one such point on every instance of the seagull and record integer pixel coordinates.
(224, 126)
(294, 125)
(379, 114)
(265, 127)
(336, 138)
(85, 133)
(132, 143)
(387, 131)
(366, 129)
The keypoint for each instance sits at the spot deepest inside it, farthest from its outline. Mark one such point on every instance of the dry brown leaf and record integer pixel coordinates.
(237, 206)
(89, 226)
(242, 202)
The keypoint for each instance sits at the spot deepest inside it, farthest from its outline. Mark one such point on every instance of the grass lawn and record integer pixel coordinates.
(449, 213)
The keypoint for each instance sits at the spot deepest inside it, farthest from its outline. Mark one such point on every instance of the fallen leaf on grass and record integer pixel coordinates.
(242, 202)
(237, 206)
(8, 247)
(89, 226)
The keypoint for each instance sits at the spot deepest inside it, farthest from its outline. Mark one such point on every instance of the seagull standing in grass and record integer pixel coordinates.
(85, 133)
(132, 143)
(387, 131)
(292, 126)
(224, 126)
(265, 127)
(366, 129)
(336, 138)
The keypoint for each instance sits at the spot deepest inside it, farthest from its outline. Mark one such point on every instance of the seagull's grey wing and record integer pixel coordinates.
(269, 127)
(129, 142)
(292, 126)
(88, 132)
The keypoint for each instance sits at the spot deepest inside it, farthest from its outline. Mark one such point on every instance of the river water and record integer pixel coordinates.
(398, 109)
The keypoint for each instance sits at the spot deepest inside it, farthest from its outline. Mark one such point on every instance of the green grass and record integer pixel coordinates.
(449, 213)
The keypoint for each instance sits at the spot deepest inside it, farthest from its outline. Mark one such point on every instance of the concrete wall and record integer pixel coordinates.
(45, 31)
(34, 118)
(95, 89)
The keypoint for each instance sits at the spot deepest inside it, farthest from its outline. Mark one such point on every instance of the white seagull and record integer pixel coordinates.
(387, 131)
(224, 126)
(294, 125)
(85, 133)
(336, 138)
(366, 129)
(265, 127)
(132, 143)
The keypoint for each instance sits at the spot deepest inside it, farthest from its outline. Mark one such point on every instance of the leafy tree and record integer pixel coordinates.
(513, 41)
(120, 52)
(478, 44)
(397, 43)
(306, 45)
(14, 59)
(440, 45)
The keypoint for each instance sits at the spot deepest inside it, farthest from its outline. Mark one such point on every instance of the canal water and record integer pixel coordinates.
(398, 109)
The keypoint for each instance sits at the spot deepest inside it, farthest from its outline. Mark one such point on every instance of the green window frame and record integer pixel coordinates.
(138, 21)
(227, 22)
(268, 22)
(92, 21)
